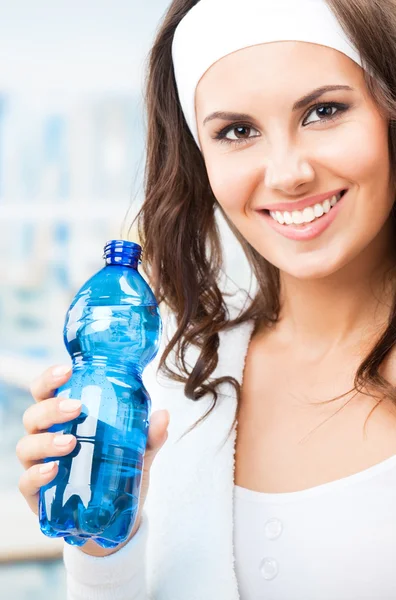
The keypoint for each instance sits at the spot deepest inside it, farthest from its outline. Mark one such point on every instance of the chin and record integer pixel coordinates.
(309, 275)
(309, 270)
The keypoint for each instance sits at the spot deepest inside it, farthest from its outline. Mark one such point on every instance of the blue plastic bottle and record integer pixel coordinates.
(112, 331)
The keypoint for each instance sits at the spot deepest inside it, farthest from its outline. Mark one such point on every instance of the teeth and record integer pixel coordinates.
(308, 215)
(318, 210)
(297, 217)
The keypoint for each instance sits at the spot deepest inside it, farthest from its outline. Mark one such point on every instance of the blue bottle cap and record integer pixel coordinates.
(122, 252)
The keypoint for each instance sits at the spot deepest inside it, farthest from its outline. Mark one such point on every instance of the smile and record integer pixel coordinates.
(306, 224)
(308, 215)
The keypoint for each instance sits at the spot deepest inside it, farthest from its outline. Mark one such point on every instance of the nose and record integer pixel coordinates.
(287, 170)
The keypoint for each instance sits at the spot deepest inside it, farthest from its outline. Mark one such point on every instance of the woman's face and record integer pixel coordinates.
(274, 156)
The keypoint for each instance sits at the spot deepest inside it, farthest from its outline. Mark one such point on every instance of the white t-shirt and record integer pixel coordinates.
(335, 541)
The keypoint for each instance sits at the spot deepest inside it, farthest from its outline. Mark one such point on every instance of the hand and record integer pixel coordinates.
(40, 444)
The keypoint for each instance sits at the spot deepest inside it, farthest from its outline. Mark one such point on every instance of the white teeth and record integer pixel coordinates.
(297, 217)
(326, 206)
(318, 210)
(308, 215)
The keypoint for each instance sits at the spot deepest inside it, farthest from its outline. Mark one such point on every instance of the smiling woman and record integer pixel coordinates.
(284, 124)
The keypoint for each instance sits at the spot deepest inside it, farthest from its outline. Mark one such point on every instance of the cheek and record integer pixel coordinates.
(358, 153)
(234, 179)
(366, 164)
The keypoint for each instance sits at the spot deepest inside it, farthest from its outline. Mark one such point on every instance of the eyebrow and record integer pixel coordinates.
(302, 103)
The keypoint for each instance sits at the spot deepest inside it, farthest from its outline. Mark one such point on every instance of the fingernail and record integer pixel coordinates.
(162, 412)
(69, 406)
(60, 371)
(63, 440)
(47, 467)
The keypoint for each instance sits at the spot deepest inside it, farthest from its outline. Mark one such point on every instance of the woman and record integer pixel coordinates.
(278, 476)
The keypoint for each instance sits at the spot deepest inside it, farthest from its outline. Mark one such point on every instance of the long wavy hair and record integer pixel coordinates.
(177, 223)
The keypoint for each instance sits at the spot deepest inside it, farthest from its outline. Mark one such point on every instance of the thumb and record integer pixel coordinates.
(158, 433)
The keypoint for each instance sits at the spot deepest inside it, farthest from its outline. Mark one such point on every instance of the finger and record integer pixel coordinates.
(44, 386)
(33, 479)
(41, 416)
(157, 435)
(34, 448)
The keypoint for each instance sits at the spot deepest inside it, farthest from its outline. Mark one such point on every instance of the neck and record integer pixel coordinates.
(350, 306)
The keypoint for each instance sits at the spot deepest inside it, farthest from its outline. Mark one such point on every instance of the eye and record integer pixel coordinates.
(241, 132)
(237, 134)
(325, 112)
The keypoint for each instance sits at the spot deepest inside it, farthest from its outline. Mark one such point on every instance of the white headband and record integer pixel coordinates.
(211, 30)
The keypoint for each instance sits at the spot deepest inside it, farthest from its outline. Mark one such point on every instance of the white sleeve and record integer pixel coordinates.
(119, 576)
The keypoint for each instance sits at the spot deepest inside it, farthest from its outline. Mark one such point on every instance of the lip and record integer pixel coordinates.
(307, 231)
(301, 204)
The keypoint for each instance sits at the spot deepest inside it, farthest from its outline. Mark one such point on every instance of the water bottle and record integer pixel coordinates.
(112, 331)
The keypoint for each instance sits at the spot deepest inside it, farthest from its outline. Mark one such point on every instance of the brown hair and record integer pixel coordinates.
(177, 226)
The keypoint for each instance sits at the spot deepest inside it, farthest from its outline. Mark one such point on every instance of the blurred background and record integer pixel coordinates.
(72, 139)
